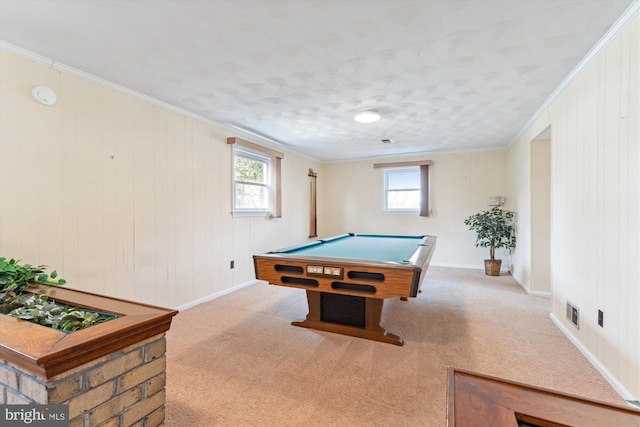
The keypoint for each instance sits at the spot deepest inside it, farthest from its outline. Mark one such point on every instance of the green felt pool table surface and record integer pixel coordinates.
(373, 247)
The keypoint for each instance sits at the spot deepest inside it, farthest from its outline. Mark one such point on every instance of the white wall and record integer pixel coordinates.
(595, 152)
(460, 186)
(519, 158)
(595, 222)
(540, 217)
(125, 198)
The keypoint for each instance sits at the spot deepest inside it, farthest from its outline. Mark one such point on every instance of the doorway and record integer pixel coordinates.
(541, 213)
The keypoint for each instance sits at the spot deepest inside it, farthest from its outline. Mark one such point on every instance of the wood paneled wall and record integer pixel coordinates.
(596, 215)
(125, 198)
(595, 220)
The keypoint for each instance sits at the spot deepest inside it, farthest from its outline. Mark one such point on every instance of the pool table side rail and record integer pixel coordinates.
(425, 239)
(400, 279)
(422, 257)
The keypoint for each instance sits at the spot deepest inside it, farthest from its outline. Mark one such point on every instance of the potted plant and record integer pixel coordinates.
(494, 229)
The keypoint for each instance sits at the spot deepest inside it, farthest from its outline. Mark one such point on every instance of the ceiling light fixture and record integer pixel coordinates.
(367, 117)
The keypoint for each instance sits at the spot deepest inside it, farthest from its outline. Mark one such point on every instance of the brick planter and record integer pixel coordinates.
(111, 374)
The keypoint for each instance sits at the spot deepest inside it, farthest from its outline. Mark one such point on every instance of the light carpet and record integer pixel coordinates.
(237, 360)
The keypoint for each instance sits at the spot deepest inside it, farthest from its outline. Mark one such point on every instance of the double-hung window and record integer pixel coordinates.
(406, 187)
(251, 180)
(256, 179)
(402, 189)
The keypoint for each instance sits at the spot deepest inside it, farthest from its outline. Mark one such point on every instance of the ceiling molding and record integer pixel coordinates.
(625, 19)
(74, 72)
(273, 126)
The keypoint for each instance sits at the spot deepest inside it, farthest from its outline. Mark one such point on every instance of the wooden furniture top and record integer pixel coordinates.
(475, 400)
(47, 352)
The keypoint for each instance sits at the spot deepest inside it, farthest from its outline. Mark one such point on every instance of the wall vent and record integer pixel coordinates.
(573, 314)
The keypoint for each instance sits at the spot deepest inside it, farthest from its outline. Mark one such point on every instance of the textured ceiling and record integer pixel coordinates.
(445, 75)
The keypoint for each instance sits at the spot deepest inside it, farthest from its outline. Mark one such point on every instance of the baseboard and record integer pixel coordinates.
(216, 295)
(529, 291)
(617, 386)
(537, 293)
(467, 267)
(504, 269)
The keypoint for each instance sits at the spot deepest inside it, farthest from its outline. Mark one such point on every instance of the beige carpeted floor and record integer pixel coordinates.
(237, 360)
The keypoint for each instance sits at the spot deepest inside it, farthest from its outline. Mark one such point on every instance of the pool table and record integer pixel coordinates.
(348, 277)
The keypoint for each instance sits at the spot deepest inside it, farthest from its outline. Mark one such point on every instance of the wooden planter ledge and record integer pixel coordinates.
(47, 352)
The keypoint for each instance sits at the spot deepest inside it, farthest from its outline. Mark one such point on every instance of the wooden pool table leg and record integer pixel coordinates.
(372, 330)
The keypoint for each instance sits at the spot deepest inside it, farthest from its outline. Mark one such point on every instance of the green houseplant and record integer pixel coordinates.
(16, 278)
(494, 229)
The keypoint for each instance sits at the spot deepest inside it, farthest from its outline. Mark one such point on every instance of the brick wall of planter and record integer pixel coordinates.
(124, 388)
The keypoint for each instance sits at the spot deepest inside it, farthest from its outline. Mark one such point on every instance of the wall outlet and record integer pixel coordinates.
(232, 264)
(495, 201)
(601, 318)
(573, 314)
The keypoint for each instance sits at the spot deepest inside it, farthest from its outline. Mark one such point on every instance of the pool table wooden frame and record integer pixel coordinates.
(371, 281)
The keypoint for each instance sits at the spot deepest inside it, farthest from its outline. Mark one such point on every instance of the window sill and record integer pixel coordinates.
(398, 212)
(241, 214)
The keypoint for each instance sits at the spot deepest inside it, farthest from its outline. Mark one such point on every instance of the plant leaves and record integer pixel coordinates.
(494, 229)
(39, 309)
(14, 276)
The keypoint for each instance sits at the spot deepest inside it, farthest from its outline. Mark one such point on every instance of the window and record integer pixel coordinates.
(406, 186)
(256, 179)
(251, 180)
(402, 189)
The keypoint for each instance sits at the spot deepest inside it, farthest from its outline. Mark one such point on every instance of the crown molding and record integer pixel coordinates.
(621, 23)
(57, 66)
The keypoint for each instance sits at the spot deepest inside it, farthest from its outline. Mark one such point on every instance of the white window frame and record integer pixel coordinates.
(273, 182)
(386, 190)
(257, 157)
(424, 166)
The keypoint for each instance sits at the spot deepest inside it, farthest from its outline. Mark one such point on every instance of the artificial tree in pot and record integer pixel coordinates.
(494, 229)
